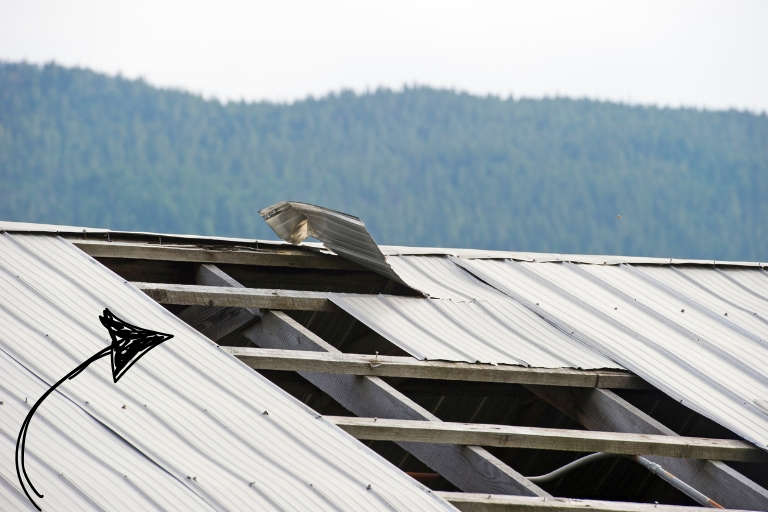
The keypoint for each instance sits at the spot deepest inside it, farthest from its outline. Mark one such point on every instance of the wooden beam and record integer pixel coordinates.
(473, 502)
(288, 257)
(197, 295)
(409, 367)
(505, 436)
(601, 409)
(470, 468)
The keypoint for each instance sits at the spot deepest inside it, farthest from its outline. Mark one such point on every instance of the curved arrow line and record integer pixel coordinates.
(129, 344)
(22, 440)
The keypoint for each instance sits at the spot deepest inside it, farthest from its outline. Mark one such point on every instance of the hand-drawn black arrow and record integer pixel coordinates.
(129, 344)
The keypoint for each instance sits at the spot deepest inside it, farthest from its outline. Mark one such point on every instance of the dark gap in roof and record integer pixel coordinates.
(407, 463)
(151, 271)
(254, 276)
(674, 415)
(755, 471)
(306, 392)
(512, 404)
(306, 279)
(174, 308)
(484, 402)
(614, 479)
(188, 240)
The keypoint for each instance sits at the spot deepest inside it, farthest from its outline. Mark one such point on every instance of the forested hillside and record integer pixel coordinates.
(421, 167)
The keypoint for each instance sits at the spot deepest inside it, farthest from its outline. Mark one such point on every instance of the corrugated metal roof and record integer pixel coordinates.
(464, 320)
(184, 429)
(696, 334)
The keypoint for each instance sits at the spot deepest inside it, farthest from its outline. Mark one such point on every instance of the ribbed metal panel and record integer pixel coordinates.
(184, 429)
(464, 320)
(697, 334)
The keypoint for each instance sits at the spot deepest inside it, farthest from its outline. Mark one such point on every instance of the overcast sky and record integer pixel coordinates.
(702, 53)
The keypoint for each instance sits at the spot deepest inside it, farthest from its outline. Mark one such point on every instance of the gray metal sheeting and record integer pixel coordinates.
(699, 335)
(464, 320)
(184, 429)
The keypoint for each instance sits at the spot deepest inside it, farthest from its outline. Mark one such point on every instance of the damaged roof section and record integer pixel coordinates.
(695, 330)
(343, 234)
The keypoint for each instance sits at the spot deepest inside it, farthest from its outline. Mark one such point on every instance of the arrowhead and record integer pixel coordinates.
(129, 342)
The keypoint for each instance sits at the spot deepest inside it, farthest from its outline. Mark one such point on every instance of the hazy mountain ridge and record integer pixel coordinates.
(420, 167)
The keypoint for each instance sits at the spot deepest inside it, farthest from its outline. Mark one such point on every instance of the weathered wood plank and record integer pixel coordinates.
(197, 295)
(473, 502)
(470, 468)
(601, 409)
(506, 436)
(287, 257)
(409, 367)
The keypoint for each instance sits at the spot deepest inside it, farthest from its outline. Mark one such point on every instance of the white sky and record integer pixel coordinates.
(702, 53)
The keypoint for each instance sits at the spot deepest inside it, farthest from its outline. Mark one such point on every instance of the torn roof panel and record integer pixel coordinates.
(187, 408)
(343, 234)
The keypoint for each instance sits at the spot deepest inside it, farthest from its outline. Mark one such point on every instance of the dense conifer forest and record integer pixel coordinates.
(420, 166)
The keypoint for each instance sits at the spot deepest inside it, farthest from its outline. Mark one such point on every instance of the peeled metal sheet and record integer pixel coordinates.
(465, 320)
(185, 428)
(343, 234)
(674, 336)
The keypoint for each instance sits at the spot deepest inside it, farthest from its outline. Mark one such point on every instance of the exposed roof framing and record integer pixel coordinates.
(575, 438)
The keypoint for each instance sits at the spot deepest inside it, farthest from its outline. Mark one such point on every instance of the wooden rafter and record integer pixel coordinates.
(506, 436)
(197, 295)
(288, 257)
(409, 367)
